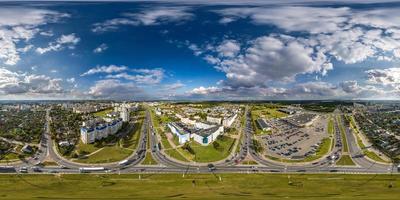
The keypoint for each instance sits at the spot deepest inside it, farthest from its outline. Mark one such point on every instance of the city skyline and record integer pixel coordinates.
(226, 50)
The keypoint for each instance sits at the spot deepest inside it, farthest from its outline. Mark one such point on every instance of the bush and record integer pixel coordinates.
(216, 145)
(188, 148)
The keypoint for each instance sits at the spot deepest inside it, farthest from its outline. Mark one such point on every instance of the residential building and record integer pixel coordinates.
(124, 114)
(90, 134)
(216, 120)
(228, 121)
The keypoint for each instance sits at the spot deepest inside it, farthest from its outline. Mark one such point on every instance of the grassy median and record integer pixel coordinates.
(200, 186)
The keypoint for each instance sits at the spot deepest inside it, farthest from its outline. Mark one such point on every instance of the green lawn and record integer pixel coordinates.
(372, 155)
(331, 128)
(87, 148)
(148, 159)
(175, 154)
(343, 134)
(9, 157)
(200, 186)
(103, 113)
(107, 154)
(345, 160)
(209, 153)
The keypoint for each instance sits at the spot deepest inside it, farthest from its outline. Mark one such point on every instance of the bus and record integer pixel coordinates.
(91, 169)
(124, 162)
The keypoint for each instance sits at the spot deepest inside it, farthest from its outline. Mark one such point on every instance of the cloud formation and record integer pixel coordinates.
(16, 28)
(148, 17)
(65, 41)
(115, 89)
(12, 83)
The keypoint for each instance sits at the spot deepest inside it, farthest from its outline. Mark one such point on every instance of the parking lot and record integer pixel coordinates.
(292, 142)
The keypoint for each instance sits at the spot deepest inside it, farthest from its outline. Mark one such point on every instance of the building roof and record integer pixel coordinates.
(262, 123)
(207, 132)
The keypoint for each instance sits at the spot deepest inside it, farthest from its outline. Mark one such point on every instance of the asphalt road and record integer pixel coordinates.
(167, 165)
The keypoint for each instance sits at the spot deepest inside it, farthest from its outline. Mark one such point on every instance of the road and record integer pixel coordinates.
(168, 165)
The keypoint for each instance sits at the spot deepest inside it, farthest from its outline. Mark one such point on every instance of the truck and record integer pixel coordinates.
(91, 169)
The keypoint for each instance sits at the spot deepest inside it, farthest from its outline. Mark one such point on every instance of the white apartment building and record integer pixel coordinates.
(90, 134)
(229, 120)
(216, 120)
(203, 125)
(124, 114)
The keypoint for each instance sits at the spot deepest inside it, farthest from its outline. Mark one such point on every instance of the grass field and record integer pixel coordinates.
(9, 157)
(209, 153)
(149, 160)
(107, 154)
(200, 186)
(345, 160)
(175, 154)
(343, 134)
(103, 113)
(331, 128)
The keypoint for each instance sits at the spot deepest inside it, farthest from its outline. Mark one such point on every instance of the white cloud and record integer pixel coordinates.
(271, 58)
(142, 76)
(19, 83)
(102, 47)
(173, 86)
(115, 89)
(71, 80)
(228, 48)
(292, 18)
(16, 28)
(105, 69)
(47, 33)
(385, 77)
(204, 90)
(62, 42)
(150, 17)
(349, 35)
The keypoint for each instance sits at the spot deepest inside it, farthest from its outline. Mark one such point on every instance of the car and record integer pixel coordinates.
(211, 167)
(36, 169)
(23, 170)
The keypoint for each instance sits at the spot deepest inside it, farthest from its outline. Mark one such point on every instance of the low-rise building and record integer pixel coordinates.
(207, 136)
(262, 124)
(302, 120)
(203, 125)
(180, 131)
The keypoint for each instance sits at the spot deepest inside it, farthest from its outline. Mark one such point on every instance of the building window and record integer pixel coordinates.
(205, 140)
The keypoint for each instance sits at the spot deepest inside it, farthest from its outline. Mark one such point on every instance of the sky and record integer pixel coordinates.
(202, 50)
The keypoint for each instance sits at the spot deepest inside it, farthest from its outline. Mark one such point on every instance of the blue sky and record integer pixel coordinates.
(211, 50)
